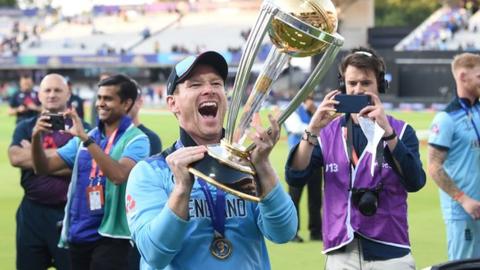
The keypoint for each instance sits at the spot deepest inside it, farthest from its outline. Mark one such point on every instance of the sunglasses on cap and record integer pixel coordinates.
(183, 68)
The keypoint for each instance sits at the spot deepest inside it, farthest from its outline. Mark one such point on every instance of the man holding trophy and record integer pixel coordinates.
(181, 222)
(209, 201)
(370, 162)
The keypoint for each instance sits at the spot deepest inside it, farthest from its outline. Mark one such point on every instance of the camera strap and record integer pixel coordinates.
(352, 154)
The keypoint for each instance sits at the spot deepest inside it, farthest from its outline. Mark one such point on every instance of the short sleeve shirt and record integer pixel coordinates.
(453, 130)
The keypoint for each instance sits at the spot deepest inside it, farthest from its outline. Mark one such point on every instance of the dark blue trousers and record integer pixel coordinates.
(37, 237)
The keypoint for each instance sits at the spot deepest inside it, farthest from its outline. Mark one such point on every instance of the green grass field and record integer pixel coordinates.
(427, 232)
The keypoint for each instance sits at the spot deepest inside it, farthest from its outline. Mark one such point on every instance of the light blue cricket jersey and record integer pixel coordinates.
(453, 131)
(165, 241)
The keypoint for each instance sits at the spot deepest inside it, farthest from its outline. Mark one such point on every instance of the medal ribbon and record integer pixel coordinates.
(217, 209)
(95, 172)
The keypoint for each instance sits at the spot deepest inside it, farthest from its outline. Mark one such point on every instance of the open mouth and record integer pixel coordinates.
(208, 109)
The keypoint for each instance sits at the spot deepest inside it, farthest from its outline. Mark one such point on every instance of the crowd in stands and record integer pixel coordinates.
(21, 31)
(449, 28)
(114, 30)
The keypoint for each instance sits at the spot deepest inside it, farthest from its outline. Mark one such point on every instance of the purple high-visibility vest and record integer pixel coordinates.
(340, 217)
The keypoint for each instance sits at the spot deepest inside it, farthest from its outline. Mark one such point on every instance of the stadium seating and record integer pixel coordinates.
(436, 31)
(449, 28)
(202, 30)
(15, 31)
(143, 33)
(103, 35)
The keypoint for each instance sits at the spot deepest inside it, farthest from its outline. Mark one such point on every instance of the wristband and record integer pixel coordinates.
(88, 142)
(390, 137)
(458, 196)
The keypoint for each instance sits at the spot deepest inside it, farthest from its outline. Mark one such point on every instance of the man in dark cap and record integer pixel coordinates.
(182, 222)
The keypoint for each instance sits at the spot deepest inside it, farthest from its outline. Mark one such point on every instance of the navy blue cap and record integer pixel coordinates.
(182, 69)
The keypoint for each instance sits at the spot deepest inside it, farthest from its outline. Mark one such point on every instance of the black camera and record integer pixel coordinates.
(57, 121)
(366, 199)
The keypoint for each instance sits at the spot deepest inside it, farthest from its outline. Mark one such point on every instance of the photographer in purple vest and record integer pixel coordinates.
(365, 212)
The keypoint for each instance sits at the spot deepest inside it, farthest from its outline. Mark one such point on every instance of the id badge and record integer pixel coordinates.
(95, 197)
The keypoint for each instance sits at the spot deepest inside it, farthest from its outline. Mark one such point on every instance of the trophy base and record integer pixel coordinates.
(225, 174)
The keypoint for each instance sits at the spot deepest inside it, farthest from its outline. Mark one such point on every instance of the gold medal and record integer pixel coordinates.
(221, 248)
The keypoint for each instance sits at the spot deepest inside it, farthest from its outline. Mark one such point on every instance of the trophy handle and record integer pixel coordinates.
(257, 34)
(272, 68)
(317, 74)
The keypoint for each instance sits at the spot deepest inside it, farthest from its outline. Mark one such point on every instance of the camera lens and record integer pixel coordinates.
(368, 203)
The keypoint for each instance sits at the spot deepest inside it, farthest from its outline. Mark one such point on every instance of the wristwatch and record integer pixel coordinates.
(87, 142)
(390, 137)
(310, 137)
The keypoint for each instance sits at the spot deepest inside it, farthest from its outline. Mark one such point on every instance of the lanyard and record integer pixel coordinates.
(352, 154)
(469, 115)
(217, 209)
(95, 172)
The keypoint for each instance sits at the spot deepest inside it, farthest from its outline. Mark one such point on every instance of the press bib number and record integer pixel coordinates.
(95, 197)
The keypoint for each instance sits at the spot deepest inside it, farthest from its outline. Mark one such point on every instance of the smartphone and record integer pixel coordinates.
(57, 121)
(352, 103)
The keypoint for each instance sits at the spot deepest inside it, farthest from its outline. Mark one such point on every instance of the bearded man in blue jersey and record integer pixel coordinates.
(453, 159)
(182, 222)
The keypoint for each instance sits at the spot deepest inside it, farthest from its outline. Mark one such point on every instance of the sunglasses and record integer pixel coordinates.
(182, 67)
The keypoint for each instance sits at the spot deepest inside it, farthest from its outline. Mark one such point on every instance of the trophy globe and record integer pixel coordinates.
(320, 14)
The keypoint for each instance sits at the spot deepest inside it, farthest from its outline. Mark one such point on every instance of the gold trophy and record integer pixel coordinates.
(297, 28)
